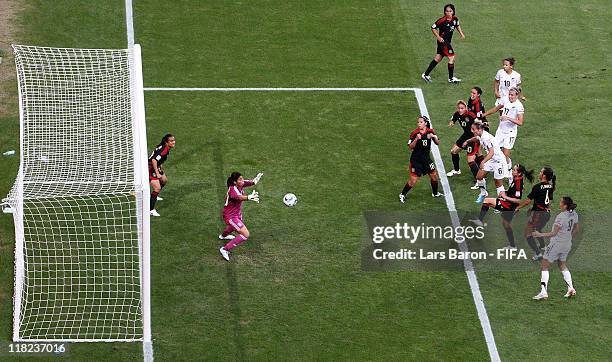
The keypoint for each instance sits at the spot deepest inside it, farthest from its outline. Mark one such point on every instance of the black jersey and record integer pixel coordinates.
(465, 121)
(542, 195)
(515, 190)
(476, 106)
(423, 146)
(446, 27)
(160, 154)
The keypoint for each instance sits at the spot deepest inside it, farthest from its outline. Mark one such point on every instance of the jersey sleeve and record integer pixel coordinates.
(248, 183)
(498, 75)
(532, 194)
(559, 220)
(518, 80)
(520, 109)
(233, 193)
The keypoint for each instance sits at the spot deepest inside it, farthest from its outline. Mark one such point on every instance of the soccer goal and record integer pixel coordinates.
(80, 200)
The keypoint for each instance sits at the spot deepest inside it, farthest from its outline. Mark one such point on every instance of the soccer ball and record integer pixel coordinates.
(290, 199)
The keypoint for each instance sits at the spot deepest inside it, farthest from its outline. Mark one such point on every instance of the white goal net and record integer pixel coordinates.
(80, 200)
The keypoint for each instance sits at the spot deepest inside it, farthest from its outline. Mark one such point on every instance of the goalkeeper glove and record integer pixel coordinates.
(257, 178)
(254, 196)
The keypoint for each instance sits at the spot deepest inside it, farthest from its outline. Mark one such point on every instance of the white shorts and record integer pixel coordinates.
(501, 101)
(499, 167)
(557, 251)
(505, 140)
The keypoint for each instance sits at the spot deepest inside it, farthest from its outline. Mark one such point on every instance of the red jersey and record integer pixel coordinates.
(233, 204)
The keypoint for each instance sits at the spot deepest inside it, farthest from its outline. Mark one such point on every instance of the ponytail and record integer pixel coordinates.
(569, 203)
(523, 171)
(231, 180)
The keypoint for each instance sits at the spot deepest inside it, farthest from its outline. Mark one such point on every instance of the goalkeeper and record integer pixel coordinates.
(232, 211)
(157, 178)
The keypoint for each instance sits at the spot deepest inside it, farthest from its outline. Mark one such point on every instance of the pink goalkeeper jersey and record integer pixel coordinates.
(233, 204)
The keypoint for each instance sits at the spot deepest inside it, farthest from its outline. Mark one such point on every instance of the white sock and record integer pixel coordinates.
(500, 189)
(483, 186)
(567, 276)
(544, 280)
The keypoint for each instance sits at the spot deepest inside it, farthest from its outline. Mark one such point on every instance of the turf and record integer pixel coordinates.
(296, 289)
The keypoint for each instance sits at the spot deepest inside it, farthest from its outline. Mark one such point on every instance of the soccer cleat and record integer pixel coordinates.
(570, 293)
(224, 253)
(454, 80)
(439, 194)
(228, 237)
(509, 247)
(496, 211)
(541, 296)
(159, 198)
(477, 222)
(536, 257)
(452, 173)
(475, 187)
(402, 198)
(426, 78)
(154, 213)
(480, 198)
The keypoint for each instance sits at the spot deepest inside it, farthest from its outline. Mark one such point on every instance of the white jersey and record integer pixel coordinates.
(566, 221)
(489, 142)
(507, 81)
(512, 110)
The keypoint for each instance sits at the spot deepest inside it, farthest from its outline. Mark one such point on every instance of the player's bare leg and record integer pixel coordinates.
(486, 204)
(543, 295)
(507, 153)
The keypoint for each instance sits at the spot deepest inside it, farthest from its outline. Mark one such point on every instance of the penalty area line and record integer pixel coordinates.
(467, 263)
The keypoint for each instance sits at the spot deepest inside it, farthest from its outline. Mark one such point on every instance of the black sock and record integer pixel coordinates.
(434, 187)
(406, 189)
(455, 157)
(483, 211)
(532, 244)
(510, 235)
(473, 168)
(451, 69)
(541, 242)
(153, 199)
(431, 66)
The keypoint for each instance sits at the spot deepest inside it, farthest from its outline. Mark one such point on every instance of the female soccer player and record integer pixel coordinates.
(541, 194)
(506, 202)
(494, 160)
(564, 228)
(420, 163)
(232, 211)
(512, 116)
(505, 79)
(157, 178)
(465, 119)
(443, 30)
(475, 104)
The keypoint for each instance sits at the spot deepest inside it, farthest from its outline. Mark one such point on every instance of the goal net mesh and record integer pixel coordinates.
(77, 205)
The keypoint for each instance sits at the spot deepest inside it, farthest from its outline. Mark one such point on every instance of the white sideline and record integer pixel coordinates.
(280, 89)
(467, 263)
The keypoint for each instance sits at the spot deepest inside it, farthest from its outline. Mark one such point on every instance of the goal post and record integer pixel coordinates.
(80, 202)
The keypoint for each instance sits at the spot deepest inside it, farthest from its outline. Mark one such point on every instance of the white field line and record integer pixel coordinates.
(129, 23)
(467, 263)
(173, 89)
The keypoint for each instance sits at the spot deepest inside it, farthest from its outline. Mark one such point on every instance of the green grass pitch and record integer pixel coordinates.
(296, 290)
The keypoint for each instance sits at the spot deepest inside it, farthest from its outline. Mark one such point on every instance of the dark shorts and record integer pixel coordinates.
(537, 221)
(471, 148)
(445, 49)
(153, 176)
(506, 207)
(421, 166)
